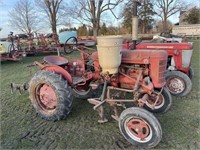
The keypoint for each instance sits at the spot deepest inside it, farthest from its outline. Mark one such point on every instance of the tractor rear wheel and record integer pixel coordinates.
(178, 83)
(140, 127)
(163, 104)
(50, 95)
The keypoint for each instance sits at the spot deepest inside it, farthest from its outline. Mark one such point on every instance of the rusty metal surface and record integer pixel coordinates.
(56, 60)
(61, 71)
(47, 96)
(175, 85)
(138, 128)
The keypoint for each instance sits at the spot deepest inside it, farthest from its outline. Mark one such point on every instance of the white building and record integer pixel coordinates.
(188, 30)
(185, 29)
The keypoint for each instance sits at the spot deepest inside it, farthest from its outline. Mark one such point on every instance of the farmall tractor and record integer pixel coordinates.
(132, 80)
(179, 71)
(138, 74)
(179, 74)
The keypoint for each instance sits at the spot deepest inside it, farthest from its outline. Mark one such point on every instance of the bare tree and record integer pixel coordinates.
(90, 11)
(158, 24)
(53, 10)
(167, 8)
(23, 16)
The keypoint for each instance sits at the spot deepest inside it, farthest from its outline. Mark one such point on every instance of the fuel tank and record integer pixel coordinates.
(143, 56)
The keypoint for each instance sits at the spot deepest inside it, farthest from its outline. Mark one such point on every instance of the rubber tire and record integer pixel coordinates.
(190, 73)
(91, 93)
(187, 81)
(62, 90)
(167, 104)
(149, 118)
(82, 95)
(65, 49)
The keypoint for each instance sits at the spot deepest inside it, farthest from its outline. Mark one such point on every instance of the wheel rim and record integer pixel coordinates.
(138, 129)
(175, 85)
(46, 98)
(160, 103)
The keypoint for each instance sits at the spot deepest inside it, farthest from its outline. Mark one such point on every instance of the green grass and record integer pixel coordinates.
(21, 128)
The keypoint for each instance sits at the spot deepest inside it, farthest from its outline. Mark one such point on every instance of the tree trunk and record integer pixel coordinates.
(164, 23)
(54, 31)
(95, 32)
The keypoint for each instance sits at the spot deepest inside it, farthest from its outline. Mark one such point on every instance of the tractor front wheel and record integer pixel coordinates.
(178, 83)
(50, 95)
(190, 73)
(140, 127)
(163, 104)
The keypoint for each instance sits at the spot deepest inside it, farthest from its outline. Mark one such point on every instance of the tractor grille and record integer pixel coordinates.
(162, 70)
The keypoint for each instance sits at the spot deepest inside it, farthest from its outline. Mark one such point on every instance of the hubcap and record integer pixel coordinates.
(46, 97)
(138, 129)
(160, 102)
(175, 85)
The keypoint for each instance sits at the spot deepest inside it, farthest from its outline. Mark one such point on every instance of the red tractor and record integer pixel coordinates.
(179, 72)
(138, 75)
(134, 77)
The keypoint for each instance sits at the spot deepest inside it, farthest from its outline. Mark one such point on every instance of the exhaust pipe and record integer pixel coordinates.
(135, 23)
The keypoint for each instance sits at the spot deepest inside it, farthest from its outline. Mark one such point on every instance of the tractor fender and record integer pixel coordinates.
(59, 70)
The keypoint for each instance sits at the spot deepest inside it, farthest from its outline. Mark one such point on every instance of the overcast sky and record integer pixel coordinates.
(7, 5)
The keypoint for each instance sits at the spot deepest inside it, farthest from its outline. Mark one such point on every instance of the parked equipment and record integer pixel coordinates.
(139, 74)
(179, 71)
(9, 51)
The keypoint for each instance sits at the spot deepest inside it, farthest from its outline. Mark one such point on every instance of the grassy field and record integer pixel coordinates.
(21, 128)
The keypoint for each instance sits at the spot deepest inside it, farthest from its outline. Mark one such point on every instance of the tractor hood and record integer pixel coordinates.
(165, 46)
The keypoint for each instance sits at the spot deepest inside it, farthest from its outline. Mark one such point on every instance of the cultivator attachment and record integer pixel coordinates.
(98, 102)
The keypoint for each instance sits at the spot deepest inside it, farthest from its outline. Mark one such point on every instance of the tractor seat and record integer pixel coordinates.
(56, 60)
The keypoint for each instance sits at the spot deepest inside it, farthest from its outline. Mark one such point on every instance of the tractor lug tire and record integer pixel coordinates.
(55, 84)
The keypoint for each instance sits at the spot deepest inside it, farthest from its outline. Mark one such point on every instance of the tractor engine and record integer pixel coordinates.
(149, 64)
(152, 63)
(129, 75)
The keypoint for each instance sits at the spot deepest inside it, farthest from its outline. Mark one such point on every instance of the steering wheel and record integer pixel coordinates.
(70, 45)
